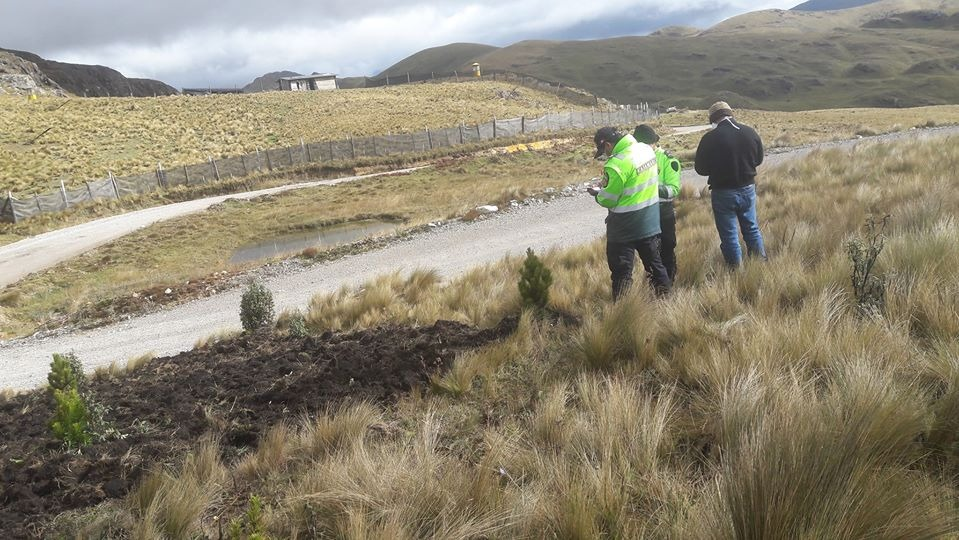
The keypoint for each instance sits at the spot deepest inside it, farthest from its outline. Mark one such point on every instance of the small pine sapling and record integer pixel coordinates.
(70, 422)
(66, 372)
(534, 282)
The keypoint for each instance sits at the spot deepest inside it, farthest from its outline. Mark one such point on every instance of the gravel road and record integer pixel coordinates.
(450, 250)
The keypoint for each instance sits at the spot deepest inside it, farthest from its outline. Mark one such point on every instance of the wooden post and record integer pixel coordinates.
(216, 170)
(352, 148)
(461, 133)
(387, 80)
(113, 179)
(89, 191)
(407, 77)
(412, 142)
(306, 151)
(432, 76)
(522, 124)
(159, 175)
(332, 157)
(289, 151)
(269, 162)
(242, 163)
(456, 76)
(373, 138)
(429, 137)
(494, 121)
(36, 199)
(63, 192)
(13, 210)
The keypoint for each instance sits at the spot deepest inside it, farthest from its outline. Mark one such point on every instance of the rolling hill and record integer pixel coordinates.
(892, 53)
(830, 5)
(94, 81)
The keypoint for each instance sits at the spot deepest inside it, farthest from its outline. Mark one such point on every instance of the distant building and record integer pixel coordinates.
(317, 81)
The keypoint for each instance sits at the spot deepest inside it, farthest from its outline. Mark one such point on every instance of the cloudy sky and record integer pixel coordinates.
(228, 43)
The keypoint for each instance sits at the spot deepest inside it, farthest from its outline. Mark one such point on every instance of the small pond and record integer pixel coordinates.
(322, 238)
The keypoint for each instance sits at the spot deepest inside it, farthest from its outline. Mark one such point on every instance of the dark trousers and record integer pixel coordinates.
(667, 222)
(621, 255)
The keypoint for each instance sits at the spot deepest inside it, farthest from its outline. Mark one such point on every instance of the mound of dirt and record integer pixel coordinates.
(236, 389)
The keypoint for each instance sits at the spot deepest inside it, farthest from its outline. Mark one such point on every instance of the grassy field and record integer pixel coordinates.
(778, 129)
(88, 137)
(176, 251)
(191, 249)
(751, 404)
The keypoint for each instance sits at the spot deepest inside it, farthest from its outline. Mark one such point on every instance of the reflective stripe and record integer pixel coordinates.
(635, 207)
(646, 166)
(607, 195)
(641, 187)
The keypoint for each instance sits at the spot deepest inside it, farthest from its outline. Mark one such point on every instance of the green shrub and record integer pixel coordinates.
(256, 306)
(298, 326)
(70, 422)
(251, 527)
(534, 282)
(66, 372)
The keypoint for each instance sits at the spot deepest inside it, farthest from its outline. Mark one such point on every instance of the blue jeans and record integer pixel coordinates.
(732, 206)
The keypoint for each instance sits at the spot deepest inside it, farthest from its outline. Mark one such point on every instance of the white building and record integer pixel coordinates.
(317, 81)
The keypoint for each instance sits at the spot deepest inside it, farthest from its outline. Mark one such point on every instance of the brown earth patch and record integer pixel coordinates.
(236, 389)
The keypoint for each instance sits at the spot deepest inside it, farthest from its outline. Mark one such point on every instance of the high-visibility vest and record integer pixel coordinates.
(669, 174)
(632, 191)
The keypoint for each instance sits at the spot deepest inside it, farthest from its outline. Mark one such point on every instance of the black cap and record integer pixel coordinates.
(605, 135)
(644, 133)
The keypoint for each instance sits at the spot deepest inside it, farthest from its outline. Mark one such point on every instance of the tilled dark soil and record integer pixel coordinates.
(236, 389)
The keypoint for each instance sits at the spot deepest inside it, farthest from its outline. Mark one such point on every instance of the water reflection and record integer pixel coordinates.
(326, 237)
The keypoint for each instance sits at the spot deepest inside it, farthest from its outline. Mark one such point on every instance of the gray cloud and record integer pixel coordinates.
(197, 43)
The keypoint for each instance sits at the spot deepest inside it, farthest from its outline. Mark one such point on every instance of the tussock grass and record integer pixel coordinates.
(216, 337)
(750, 404)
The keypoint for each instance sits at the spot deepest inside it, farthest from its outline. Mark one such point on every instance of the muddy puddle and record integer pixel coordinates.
(323, 238)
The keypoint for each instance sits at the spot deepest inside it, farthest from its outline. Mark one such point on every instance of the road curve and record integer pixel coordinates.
(45, 250)
(450, 250)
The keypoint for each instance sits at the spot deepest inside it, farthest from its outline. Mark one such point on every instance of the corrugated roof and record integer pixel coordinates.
(308, 77)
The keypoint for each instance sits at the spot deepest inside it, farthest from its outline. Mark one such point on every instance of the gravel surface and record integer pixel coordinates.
(450, 249)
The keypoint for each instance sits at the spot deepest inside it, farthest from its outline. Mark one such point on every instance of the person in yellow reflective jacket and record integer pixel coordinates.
(630, 190)
(670, 173)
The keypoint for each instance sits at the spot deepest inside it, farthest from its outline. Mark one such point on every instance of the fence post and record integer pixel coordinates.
(429, 137)
(456, 76)
(243, 164)
(412, 142)
(216, 170)
(306, 150)
(159, 175)
(269, 162)
(332, 157)
(113, 179)
(13, 209)
(186, 174)
(494, 120)
(63, 193)
(461, 133)
(36, 199)
(407, 77)
(373, 138)
(89, 191)
(352, 148)
(522, 124)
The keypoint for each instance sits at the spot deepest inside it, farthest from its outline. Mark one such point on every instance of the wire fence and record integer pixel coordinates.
(13, 209)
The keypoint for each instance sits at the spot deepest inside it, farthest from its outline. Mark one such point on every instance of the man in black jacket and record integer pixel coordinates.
(729, 155)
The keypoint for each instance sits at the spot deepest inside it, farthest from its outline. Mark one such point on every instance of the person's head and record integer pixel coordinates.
(718, 111)
(605, 139)
(645, 133)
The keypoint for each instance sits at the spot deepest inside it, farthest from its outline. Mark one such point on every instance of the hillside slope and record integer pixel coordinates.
(892, 53)
(455, 56)
(19, 76)
(95, 81)
(830, 5)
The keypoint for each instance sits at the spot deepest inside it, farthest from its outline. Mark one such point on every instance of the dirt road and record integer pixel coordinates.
(450, 250)
(45, 250)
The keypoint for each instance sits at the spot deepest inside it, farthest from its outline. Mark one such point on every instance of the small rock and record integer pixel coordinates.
(168, 291)
(550, 190)
(487, 209)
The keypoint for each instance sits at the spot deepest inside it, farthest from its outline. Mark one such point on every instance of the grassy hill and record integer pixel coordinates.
(443, 59)
(88, 137)
(829, 5)
(893, 53)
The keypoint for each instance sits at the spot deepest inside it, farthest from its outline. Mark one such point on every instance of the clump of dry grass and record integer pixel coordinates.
(753, 403)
